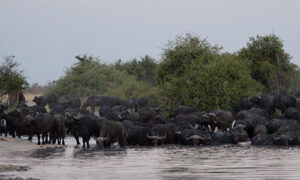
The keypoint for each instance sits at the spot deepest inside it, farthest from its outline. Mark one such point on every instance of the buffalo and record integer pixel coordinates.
(195, 137)
(40, 101)
(292, 113)
(137, 134)
(165, 133)
(234, 136)
(44, 125)
(52, 99)
(111, 132)
(3, 126)
(184, 110)
(59, 128)
(222, 119)
(85, 126)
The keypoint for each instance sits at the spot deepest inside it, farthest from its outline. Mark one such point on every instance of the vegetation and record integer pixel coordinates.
(143, 70)
(269, 63)
(191, 72)
(195, 73)
(12, 80)
(89, 77)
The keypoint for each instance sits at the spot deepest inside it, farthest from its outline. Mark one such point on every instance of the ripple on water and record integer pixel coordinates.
(166, 162)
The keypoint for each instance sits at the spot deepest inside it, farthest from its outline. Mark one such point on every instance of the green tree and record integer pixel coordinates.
(143, 70)
(179, 54)
(194, 73)
(269, 63)
(12, 80)
(89, 77)
(133, 89)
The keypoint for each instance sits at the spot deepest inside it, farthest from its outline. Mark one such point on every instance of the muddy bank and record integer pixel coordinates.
(11, 168)
(14, 144)
(4, 168)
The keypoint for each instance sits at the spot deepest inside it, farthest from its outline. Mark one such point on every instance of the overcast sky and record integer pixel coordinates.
(45, 35)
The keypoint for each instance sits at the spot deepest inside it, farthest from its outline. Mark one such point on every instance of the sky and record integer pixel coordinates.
(46, 35)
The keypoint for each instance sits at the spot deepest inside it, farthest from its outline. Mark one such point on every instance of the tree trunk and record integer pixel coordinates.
(13, 98)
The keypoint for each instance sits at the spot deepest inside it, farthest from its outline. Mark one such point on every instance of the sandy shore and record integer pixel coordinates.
(15, 144)
(8, 144)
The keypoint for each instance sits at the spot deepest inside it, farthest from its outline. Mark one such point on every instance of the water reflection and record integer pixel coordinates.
(94, 153)
(47, 153)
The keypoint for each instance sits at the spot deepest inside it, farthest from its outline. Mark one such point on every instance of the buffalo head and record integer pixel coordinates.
(156, 138)
(101, 141)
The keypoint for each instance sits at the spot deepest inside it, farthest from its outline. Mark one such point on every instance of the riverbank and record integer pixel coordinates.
(11, 145)
(15, 144)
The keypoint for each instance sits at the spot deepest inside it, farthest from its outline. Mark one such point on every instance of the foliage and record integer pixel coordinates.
(12, 80)
(179, 54)
(143, 70)
(133, 89)
(191, 72)
(35, 88)
(194, 73)
(90, 77)
(269, 63)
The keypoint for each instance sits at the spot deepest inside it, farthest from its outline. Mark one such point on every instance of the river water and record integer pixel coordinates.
(162, 162)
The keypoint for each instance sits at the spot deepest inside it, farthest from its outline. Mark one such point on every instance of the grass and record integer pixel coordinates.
(29, 97)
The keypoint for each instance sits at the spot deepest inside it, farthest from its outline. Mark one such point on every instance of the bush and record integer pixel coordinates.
(203, 77)
(89, 77)
(268, 62)
(12, 80)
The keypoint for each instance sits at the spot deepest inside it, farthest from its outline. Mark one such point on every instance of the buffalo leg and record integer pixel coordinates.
(12, 133)
(29, 137)
(87, 143)
(77, 140)
(38, 136)
(58, 140)
(46, 139)
(43, 139)
(122, 142)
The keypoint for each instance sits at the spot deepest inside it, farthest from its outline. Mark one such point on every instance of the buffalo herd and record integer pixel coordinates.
(264, 119)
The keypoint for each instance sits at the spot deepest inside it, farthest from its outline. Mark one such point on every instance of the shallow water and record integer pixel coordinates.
(164, 162)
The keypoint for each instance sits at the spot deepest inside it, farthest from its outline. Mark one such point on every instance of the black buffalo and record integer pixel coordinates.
(184, 110)
(137, 134)
(40, 101)
(85, 126)
(111, 132)
(52, 99)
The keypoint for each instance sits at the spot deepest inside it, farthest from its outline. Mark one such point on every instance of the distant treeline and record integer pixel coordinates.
(35, 88)
(191, 72)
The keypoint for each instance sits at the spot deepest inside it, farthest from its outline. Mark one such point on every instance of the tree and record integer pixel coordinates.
(179, 54)
(12, 80)
(195, 73)
(269, 63)
(89, 77)
(143, 70)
